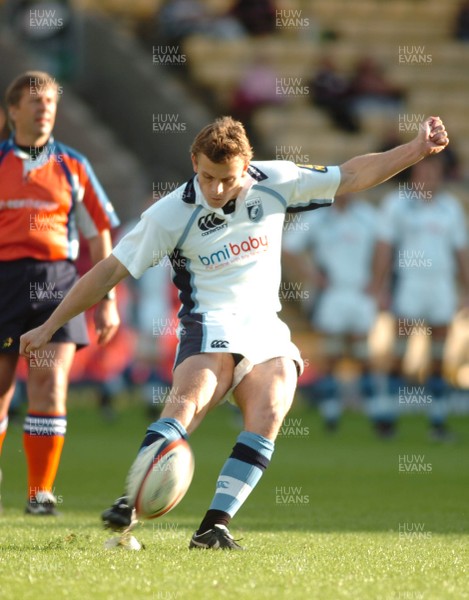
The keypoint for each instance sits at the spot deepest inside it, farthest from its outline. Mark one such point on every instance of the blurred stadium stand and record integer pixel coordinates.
(365, 27)
(117, 79)
(126, 89)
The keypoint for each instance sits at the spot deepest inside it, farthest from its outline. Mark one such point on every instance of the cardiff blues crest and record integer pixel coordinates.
(255, 210)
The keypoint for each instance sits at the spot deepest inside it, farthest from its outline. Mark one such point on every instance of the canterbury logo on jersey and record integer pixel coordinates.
(211, 223)
(219, 344)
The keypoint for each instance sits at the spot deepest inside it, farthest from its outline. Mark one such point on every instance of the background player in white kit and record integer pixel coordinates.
(341, 242)
(422, 248)
(222, 231)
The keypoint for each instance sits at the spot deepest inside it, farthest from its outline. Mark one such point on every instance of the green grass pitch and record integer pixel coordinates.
(334, 517)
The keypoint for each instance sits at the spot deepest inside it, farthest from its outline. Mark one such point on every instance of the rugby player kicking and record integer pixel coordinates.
(222, 231)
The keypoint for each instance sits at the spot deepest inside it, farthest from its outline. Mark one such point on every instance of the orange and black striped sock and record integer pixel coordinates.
(43, 440)
(3, 431)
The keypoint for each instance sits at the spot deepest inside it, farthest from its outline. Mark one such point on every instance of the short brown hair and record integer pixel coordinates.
(222, 140)
(28, 79)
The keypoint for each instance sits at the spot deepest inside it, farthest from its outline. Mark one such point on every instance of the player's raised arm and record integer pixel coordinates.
(363, 172)
(89, 290)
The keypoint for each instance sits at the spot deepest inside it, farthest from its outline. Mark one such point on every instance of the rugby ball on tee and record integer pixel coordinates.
(159, 477)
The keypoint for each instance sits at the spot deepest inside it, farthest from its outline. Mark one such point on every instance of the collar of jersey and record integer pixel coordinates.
(24, 155)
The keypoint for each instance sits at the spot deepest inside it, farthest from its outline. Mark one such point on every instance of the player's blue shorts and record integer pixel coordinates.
(191, 335)
(30, 290)
(251, 339)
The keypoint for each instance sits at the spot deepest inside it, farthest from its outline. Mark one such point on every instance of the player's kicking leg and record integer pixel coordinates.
(264, 397)
(199, 383)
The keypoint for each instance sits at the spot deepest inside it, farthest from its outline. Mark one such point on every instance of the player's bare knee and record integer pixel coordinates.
(202, 379)
(265, 416)
(47, 390)
(284, 381)
(48, 405)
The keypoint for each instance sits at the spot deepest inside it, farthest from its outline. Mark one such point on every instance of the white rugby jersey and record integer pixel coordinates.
(227, 261)
(341, 241)
(425, 233)
(154, 291)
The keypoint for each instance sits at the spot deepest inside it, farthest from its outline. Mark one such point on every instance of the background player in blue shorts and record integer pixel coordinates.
(222, 231)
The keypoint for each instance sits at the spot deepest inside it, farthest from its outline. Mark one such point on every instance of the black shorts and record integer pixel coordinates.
(30, 290)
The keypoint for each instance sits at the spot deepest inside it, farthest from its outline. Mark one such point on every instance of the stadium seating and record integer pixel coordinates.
(384, 29)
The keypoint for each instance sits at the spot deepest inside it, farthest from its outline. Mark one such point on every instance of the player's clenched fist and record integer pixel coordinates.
(33, 340)
(434, 136)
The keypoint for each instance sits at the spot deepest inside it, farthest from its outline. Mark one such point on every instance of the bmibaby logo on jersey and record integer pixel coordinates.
(232, 252)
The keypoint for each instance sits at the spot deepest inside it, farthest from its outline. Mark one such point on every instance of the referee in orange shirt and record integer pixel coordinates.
(48, 194)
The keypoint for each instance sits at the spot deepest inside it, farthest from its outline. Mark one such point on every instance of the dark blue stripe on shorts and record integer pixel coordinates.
(191, 337)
